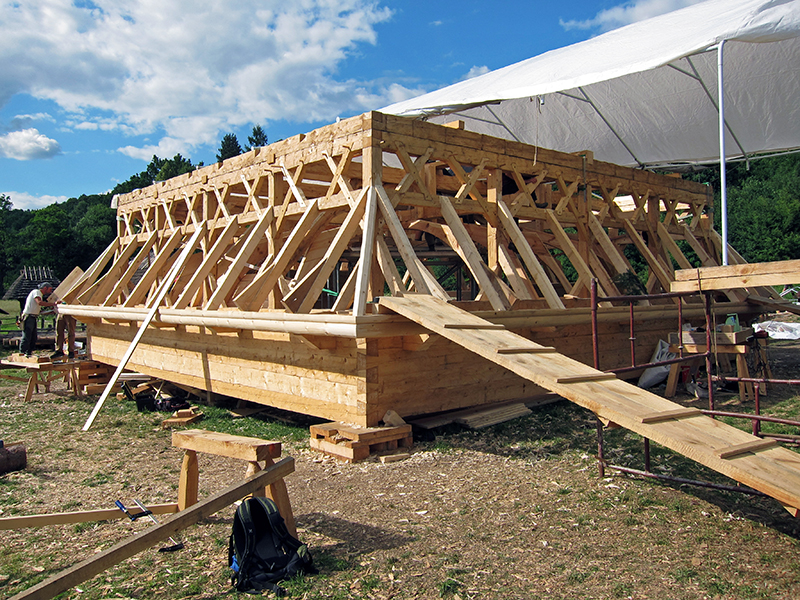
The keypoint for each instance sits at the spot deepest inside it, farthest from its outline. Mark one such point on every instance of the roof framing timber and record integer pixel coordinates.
(280, 221)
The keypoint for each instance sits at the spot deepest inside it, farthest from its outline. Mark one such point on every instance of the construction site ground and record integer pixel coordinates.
(512, 511)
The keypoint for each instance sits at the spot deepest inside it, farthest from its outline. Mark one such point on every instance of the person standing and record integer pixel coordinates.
(33, 306)
(64, 324)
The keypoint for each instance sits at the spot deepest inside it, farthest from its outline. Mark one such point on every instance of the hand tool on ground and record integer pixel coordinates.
(147, 513)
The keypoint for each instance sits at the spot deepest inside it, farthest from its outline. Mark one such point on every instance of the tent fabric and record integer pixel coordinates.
(646, 94)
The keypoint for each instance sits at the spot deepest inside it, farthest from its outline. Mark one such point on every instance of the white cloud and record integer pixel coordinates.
(627, 13)
(28, 144)
(475, 72)
(188, 69)
(25, 201)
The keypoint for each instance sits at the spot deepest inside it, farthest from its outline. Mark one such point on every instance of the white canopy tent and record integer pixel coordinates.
(647, 94)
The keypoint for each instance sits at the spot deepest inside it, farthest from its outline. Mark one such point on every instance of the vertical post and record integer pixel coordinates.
(494, 191)
(188, 482)
(756, 422)
(633, 334)
(601, 459)
(709, 338)
(372, 176)
(722, 177)
(595, 336)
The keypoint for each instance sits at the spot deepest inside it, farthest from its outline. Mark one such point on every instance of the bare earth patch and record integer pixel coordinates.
(515, 511)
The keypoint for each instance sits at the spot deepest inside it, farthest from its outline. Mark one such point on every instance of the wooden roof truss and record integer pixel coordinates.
(369, 201)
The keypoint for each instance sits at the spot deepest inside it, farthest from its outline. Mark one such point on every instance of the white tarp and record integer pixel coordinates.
(646, 94)
(779, 330)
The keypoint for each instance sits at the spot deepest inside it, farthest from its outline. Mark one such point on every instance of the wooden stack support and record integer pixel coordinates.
(379, 202)
(93, 376)
(352, 444)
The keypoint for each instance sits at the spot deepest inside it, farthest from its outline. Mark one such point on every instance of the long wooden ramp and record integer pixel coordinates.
(758, 463)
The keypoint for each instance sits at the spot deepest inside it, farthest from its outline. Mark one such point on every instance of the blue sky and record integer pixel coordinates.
(90, 90)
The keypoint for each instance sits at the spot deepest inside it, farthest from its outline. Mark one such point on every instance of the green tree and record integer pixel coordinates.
(257, 139)
(5, 209)
(173, 167)
(94, 232)
(47, 239)
(764, 210)
(159, 169)
(228, 147)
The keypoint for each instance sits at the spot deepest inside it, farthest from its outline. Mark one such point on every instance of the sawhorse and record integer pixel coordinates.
(43, 374)
(252, 450)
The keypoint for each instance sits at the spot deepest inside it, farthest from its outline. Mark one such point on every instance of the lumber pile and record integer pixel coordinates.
(352, 444)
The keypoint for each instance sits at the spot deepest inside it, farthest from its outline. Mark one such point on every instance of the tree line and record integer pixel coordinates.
(763, 213)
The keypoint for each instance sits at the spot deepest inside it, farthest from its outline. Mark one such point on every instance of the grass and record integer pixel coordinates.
(537, 522)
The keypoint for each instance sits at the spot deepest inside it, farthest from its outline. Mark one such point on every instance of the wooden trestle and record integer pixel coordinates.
(758, 463)
(261, 271)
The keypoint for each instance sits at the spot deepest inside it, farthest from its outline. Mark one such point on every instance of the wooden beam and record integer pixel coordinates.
(114, 297)
(253, 296)
(655, 267)
(304, 295)
(368, 227)
(425, 284)
(785, 272)
(231, 277)
(165, 286)
(92, 273)
(388, 268)
(472, 258)
(528, 256)
(97, 563)
(139, 292)
(570, 250)
(210, 261)
(82, 516)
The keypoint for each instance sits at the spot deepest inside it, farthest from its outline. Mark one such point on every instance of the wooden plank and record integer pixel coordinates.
(224, 444)
(486, 417)
(97, 563)
(776, 472)
(739, 449)
(585, 378)
(738, 276)
(486, 325)
(82, 516)
(527, 350)
(668, 415)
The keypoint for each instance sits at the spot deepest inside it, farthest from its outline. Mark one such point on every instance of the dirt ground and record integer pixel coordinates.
(516, 511)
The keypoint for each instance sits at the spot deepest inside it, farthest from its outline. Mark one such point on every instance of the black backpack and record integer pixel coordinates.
(261, 552)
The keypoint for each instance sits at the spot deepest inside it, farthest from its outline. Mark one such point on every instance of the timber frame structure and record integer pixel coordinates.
(265, 268)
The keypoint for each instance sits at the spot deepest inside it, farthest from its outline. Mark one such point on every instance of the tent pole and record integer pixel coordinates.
(722, 174)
